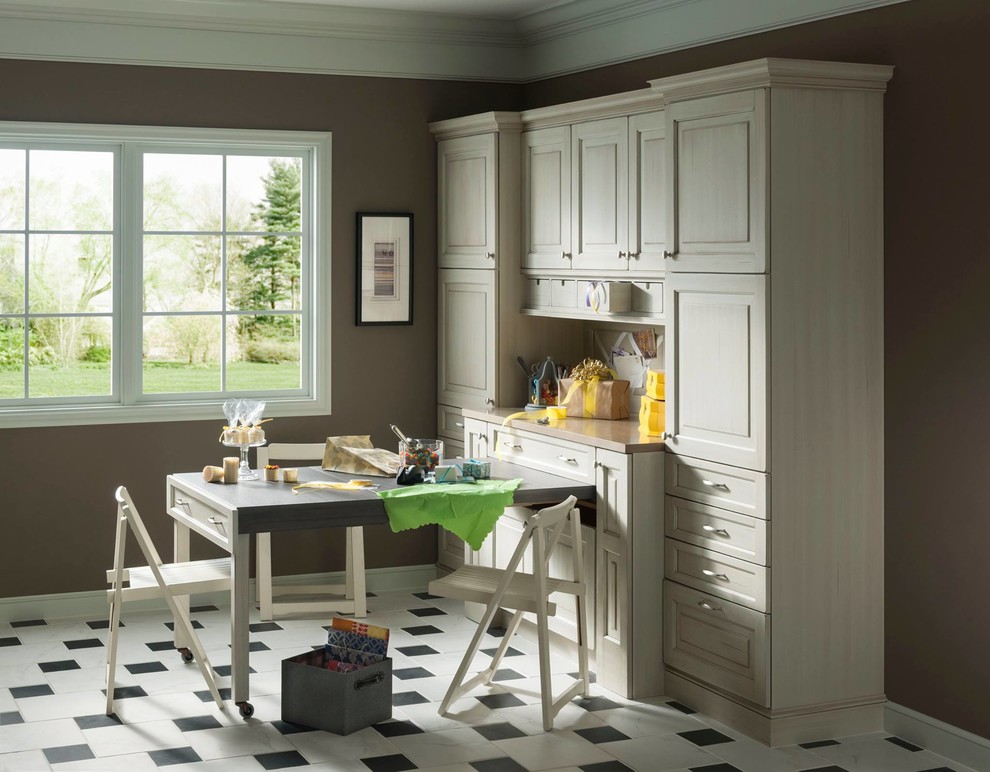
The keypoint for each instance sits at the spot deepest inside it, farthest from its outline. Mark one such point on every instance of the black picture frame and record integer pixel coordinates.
(384, 270)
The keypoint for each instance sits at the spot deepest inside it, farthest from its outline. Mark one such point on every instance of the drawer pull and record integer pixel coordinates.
(713, 529)
(720, 486)
(459, 424)
(706, 572)
(708, 606)
(510, 445)
(567, 460)
(181, 502)
(218, 523)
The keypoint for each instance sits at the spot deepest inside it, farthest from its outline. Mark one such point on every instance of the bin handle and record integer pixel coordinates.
(377, 678)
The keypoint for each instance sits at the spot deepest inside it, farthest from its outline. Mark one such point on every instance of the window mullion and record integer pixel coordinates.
(128, 320)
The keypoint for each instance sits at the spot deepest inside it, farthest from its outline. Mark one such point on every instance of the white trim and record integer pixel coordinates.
(328, 39)
(93, 603)
(934, 735)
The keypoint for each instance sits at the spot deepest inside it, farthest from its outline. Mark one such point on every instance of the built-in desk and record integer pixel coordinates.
(624, 547)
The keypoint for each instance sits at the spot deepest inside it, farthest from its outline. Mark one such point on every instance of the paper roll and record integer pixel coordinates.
(231, 464)
(290, 475)
(213, 473)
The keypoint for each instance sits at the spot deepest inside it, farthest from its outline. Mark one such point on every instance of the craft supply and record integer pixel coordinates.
(290, 475)
(655, 384)
(399, 433)
(423, 453)
(445, 474)
(213, 473)
(352, 485)
(479, 470)
(556, 412)
(271, 473)
(230, 468)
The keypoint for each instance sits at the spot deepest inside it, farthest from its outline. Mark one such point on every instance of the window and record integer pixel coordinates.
(149, 274)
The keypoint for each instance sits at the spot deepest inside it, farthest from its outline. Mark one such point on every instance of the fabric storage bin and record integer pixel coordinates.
(334, 701)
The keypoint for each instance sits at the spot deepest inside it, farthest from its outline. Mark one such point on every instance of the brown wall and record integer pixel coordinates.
(937, 318)
(936, 313)
(56, 501)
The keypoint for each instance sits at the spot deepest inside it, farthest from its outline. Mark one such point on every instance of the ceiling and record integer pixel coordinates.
(487, 9)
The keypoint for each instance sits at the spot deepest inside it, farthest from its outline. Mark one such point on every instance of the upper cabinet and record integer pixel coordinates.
(468, 188)
(647, 192)
(717, 184)
(599, 195)
(546, 174)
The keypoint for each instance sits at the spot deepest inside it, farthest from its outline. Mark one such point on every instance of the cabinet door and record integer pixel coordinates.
(467, 189)
(450, 549)
(716, 350)
(647, 192)
(599, 195)
(611, 570)
(467, 326)
(547, 198)
(718, 176)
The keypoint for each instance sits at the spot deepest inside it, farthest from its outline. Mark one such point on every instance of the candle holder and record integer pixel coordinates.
(245, 472)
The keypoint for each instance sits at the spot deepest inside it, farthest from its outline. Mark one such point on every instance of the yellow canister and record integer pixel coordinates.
(651, 416)
(655, 383)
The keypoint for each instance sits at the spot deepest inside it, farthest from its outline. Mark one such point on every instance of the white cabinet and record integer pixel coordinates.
(647, 192)
(599, 195)
(468, 188)
(467, 319)
(717, 183)
(546, 174)
(715, 357)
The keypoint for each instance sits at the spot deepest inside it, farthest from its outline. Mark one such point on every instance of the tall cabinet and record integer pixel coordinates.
(773, 596)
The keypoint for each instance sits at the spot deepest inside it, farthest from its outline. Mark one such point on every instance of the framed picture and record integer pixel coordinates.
(384, 268)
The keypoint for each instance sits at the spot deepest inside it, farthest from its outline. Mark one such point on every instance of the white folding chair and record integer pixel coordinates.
(354, 600)
(170, 581)
(512, 589)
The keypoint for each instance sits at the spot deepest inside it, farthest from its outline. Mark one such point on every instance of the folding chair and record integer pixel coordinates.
(353, 600)
(170, 581)
(512, 589)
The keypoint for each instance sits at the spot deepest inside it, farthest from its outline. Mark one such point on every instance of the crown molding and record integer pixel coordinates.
(326, 39)
(475, 124)
(610, 106)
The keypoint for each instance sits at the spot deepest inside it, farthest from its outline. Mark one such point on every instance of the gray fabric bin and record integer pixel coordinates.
(335, 702)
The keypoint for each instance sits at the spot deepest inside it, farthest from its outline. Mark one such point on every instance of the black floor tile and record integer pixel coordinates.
(504, 764)
(819, 744)
(396, 728)
(682, 708)
(169, 756)
(596, 703)
(36, 690)
(125, 692)
(97, 721)
(428, 612)
(407, 673)
(939, 769)
(394, 763)
(407, 698)
(904, 744)
(503, 731)
(161, 645)
(592, 678)
(65, 753)
(703, 737)
(28, 623)
(13, 717)
(10, 641)
(62, 664)
(84, 643)
(101, 624)
(281, 760)
(205, 695)
(197, 609)
(145, 667)
(264, 627)
(494, 701)
(716, 768)
(606, 766)
(507, 674)
(258, 646)
(496, 632)
(422, 630)
(284, 727)
(195, 723)
(196, 625)
(416, 651)
(509, 652)
(426, 596)
(830, 768)
(224, 670)
(601, 734)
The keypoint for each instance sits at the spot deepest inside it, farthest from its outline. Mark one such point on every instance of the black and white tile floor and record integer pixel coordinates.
(52, 705)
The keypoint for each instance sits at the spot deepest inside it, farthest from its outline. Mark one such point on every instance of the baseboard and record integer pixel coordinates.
(94, 603)
(934, 735)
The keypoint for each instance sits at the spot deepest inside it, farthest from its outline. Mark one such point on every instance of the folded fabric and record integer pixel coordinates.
(467, 510)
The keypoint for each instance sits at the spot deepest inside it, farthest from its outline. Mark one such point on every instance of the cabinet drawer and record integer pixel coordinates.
(563, 293)
(549, 455)
(717, 574)
(728, 487)
(716, 529)
(716, 641)
(450, 423)
(537, 293)
(199, 516)
(647, 297)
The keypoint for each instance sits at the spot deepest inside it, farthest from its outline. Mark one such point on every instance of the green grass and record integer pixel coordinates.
(93, 379)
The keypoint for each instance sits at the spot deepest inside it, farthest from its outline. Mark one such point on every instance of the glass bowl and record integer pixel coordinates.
(427, 454)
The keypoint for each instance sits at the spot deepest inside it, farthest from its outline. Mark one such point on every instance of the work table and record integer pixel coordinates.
(620, 436)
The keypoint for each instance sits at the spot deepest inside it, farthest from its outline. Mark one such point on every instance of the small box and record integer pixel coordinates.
(655, 384)
(604, 296)
(651, 416)
(338, 702)
(479, 470)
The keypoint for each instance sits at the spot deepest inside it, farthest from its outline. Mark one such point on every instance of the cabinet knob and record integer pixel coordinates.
(666, 436)
(712, 574)
(490, 401)
(708, 606)
(491, 255)
(667, 255)
(713, 529)
(710, 484)
(634, 254)
(622, 255)
(565, 255)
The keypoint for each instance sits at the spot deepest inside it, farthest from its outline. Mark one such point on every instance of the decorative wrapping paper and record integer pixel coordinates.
(352, 644)
(354, 454)
(467, 510)
(596, 398)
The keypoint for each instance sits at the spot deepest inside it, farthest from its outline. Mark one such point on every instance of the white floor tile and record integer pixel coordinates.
(751, 756)
(133, 738)
(246, 740)
(529, 718)
(123, 763)
(659, 754)
(323, 746)
(552, 749)
(873, 754)
(643, 720)
(444, 747)
(465, 711)
(62, 705)
(24, 761)
(35, 735)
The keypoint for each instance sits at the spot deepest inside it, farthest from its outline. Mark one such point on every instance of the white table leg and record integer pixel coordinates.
(239, 609)
(180, 542)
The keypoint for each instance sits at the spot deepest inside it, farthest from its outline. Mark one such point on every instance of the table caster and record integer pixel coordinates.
(246, 708)
(187, 656)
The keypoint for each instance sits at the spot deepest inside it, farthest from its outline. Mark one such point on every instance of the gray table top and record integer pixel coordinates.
(262, 506)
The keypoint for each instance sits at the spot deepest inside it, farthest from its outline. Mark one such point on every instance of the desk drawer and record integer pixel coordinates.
(717, 574)
(450, 424)
(567, 459)
(728, 487)
(199, 516)
(716, 529)
(716, 641)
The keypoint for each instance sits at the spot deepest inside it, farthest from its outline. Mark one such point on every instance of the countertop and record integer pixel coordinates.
(621, 436)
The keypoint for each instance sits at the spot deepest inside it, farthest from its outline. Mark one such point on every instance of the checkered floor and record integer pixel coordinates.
(52, 704)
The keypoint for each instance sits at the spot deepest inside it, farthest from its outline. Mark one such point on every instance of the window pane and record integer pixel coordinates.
(70, 273)
(263, 352)
(182, 192)
(182, 273)
(12, 189)
(70, 190)
(263, 194)
(181, 354)
(69, 356)
(11, 359)
(263, 273)
(11, 274)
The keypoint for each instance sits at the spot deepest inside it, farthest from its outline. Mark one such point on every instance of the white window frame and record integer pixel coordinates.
(128, 143)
